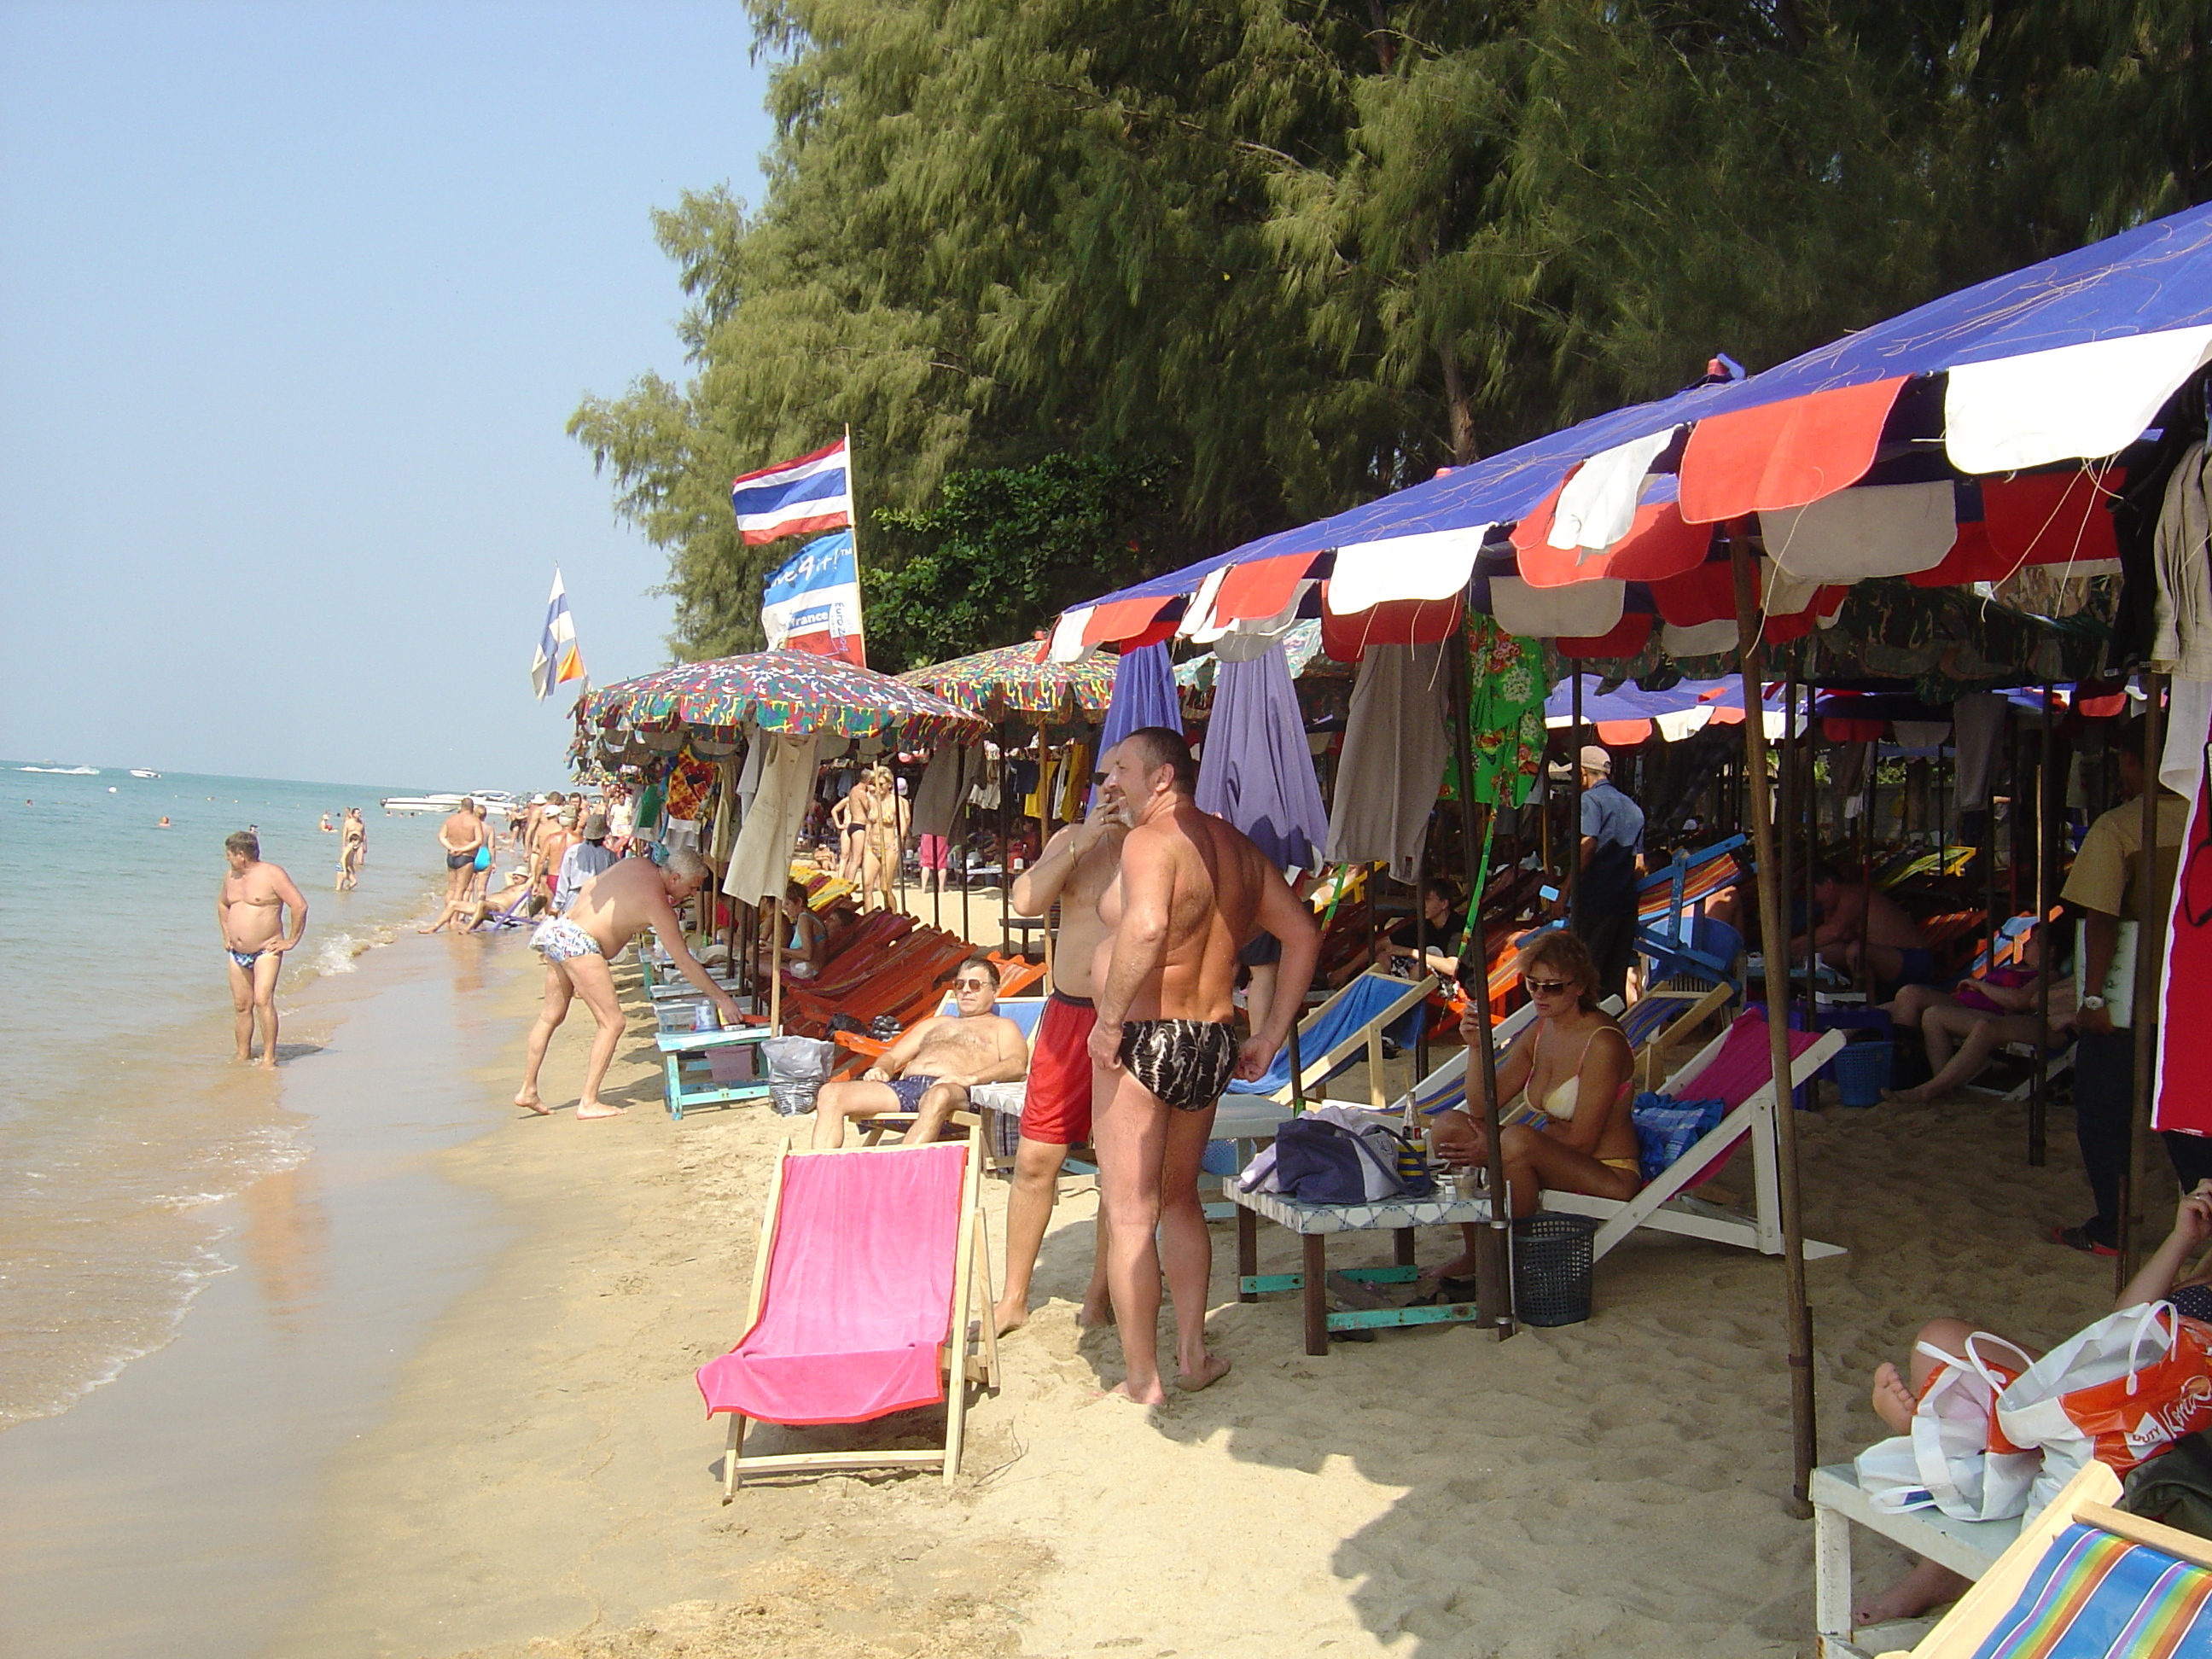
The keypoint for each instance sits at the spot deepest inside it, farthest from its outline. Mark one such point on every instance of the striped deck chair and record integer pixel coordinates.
(1735, 1066)
(1689, 953)
(871, 1262)
(1333, 1036)
(2083, 1579)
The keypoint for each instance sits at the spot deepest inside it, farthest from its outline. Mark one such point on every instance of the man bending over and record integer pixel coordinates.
(930, 1070)
(612, 909)
(1191, 892)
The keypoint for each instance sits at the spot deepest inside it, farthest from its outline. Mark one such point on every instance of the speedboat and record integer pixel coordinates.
(141, 772)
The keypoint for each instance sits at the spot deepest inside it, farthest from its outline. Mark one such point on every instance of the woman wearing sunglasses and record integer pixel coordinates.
(1576, 1067)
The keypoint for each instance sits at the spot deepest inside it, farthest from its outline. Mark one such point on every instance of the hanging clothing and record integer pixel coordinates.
(760, 866)
(724, 833)
(1074, 790)
(2181, 637)
(1506, 715)
(1977, 724)
(1849, 766)
(1257, 771)
(1395, 744)
(936, 803)
(2181, 1097)
(688, 781)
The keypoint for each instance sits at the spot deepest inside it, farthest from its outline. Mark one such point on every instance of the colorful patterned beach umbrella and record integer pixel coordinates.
(1009, 680)
(791, 692)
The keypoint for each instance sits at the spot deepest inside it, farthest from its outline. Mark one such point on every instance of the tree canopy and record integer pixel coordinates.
(1148, 277)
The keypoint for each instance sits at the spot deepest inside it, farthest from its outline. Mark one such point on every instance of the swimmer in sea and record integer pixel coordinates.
(163, 824)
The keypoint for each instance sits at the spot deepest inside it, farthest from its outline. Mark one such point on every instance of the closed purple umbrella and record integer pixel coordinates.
(1256, 770)
(1144, 695)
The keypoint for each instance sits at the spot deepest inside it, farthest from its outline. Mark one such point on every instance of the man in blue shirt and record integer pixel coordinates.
(1605, 896)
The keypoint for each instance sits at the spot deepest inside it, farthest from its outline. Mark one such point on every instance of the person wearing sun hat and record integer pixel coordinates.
(1605, 894)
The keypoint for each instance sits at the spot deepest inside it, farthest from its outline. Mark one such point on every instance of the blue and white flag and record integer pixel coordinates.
(796, 498)
(813, 602)
(559, 658)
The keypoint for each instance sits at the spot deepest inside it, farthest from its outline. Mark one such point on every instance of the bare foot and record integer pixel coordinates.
(1460, 1267)
(1010, 1317)
(1893, 1401)
(268, 1062)
(1919, 1097)
(1094, 1318)
(530, 1103)
(1155, 1395)
(1922, 1588)
(598, 1109)
(1215, 1368)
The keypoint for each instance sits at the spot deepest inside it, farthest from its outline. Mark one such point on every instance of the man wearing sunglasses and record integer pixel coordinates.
(1193, 891)
(929, 1071)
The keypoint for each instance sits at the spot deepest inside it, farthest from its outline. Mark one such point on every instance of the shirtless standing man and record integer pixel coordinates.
(1078, 865)
(929, 1071)
(353, 848)
(613, 909)
(460, 834)
(249, 908)
(1191, 892)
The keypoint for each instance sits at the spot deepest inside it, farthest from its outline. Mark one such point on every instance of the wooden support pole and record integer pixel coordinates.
(1493, 1286)
(2151, 906)
(1774, 939)
(2038, 1107)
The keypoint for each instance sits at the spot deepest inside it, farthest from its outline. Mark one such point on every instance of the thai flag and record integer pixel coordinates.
(796, 498)
(559, 658)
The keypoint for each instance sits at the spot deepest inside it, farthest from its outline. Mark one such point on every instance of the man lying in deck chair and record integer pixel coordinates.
(1893, 952)
(929, 1071)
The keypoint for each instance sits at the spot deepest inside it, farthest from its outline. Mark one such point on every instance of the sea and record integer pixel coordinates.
(124, 1123)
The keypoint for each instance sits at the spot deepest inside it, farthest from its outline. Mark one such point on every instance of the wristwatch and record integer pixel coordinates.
(2093, 1004)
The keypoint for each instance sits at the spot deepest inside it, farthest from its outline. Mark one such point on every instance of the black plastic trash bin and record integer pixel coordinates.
(1551, 1269)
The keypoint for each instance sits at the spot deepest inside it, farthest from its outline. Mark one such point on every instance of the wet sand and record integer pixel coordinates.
(535, 1474)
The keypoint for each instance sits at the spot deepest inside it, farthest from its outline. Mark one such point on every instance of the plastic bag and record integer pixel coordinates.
(797, 1067)
(1971, 1470)
(2118, 1391)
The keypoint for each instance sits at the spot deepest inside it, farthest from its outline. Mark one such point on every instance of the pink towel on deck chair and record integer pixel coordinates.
(860, 1290)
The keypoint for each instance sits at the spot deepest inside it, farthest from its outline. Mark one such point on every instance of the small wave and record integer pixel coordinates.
(338, 951)
(64, 771)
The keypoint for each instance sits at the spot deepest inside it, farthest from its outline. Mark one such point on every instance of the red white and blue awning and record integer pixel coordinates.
(1954, 443)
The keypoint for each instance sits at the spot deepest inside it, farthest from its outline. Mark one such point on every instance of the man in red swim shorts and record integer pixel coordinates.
(1078, 864)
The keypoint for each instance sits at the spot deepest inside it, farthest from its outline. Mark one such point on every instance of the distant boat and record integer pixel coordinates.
(497, 801)
(65, 771)
(140, 772)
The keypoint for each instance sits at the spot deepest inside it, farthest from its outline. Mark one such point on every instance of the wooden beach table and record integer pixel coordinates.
(688, 1073)
(1314, 1224)
(1969, 1548)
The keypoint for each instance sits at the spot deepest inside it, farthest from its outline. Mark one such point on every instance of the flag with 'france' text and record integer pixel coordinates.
(812, 601)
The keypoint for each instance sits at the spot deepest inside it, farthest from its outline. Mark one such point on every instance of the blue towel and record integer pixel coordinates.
(1361, 1003)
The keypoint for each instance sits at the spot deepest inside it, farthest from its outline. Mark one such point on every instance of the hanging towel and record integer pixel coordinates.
(760, 867)
(1977, 727)
(1257, 771)
(1395, 744)
(725, 811)
(1074, 790)
(937, 801)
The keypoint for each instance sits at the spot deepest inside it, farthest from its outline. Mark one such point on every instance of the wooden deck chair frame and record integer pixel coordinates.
(971, 1279)
(1664, 1204)
(2086, 1500)
(1314, 1069)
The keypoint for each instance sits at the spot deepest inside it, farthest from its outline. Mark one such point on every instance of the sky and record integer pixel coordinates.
(296, 302)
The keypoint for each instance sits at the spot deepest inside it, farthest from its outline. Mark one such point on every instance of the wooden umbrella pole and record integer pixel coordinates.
(1493, 1289)
(2037, 1109)
(2150, 934)
(776, 968)
(1781, 996)
(1773, 937)
(1044, 835)
(967, 855)
(1574, 882)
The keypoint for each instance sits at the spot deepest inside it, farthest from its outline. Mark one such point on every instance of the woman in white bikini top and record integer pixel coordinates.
(1571, 1057)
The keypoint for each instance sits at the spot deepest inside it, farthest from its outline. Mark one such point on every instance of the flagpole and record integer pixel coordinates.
(853, 528)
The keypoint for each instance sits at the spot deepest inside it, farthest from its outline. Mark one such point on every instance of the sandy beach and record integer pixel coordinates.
(542, 1480)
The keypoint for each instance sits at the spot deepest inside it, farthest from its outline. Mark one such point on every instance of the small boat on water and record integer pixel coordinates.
(141, 772)
(496, 802)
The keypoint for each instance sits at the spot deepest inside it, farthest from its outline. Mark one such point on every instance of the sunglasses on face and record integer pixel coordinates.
(971, 984)
(1547, 987)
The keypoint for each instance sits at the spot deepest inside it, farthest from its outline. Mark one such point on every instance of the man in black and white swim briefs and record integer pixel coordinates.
(1191, 893)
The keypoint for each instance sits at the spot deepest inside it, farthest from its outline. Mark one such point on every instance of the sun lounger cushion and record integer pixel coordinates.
(859, 1291)
(2097, 1593)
